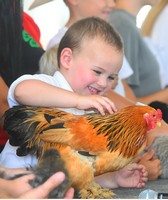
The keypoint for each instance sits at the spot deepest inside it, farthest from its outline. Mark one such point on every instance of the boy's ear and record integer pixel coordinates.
(66, 57)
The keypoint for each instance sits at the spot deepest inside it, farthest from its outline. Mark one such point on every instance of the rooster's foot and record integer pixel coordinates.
(95, 191)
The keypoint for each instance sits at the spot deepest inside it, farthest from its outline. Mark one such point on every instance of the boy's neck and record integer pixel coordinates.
(72, 20)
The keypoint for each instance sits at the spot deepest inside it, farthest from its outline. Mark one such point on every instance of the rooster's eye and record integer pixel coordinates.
(154, 116)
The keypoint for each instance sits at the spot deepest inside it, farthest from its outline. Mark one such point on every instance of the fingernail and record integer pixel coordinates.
(60, 176)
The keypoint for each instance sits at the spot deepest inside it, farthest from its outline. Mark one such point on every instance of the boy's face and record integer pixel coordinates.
(97, 8)
(94, 68)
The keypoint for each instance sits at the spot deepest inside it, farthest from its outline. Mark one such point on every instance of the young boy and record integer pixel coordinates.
(90, 56)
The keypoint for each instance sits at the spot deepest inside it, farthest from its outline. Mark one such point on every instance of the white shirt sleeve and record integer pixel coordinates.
(9, 159)
(124, 73)
(126, 70)
(159, 38)
(43, 77)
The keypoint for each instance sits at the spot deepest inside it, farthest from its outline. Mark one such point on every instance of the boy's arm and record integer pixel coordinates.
(38, 93)
(132, 175)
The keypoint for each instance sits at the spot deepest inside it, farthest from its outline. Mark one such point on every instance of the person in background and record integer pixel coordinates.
(80, 10)
(155, 31)
(8, 23)
(20, 50)
(145, 81)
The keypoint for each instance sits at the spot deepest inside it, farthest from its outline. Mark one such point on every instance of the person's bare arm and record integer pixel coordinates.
(162, 95)
(132, 175)
(51, 96)
(128, 91)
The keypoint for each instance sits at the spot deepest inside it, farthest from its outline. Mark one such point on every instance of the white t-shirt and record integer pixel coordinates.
(57, 38)
(156, 52)
(8, 157)
(124, 73)
(159, 40)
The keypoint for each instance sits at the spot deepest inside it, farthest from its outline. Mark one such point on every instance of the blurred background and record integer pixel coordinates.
(52, 16)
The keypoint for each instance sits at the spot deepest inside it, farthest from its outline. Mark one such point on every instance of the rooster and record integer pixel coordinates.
(90, 144)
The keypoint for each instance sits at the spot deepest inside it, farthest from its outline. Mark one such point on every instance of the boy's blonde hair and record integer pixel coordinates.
(48, 61)
(152, 16)
(89, 28)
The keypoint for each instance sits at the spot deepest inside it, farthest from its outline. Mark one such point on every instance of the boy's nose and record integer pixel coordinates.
(102, 82)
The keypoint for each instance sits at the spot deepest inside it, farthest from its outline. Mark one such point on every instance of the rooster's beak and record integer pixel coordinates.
(159, 124)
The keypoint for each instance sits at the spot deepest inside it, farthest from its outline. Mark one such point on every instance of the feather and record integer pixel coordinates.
(90, 144)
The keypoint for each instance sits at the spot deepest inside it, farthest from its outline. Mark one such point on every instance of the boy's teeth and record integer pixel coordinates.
(93, 90)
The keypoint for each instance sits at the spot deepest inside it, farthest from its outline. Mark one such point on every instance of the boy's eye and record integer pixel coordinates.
(97, 72)
(112, 78)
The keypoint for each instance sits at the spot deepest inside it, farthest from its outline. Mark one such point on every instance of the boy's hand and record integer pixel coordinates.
(132, 175)
(100, 103)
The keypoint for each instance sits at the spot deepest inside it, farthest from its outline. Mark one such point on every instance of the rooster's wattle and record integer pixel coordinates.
(90, 144)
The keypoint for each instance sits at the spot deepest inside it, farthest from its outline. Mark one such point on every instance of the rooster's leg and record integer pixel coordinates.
(95, 191)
